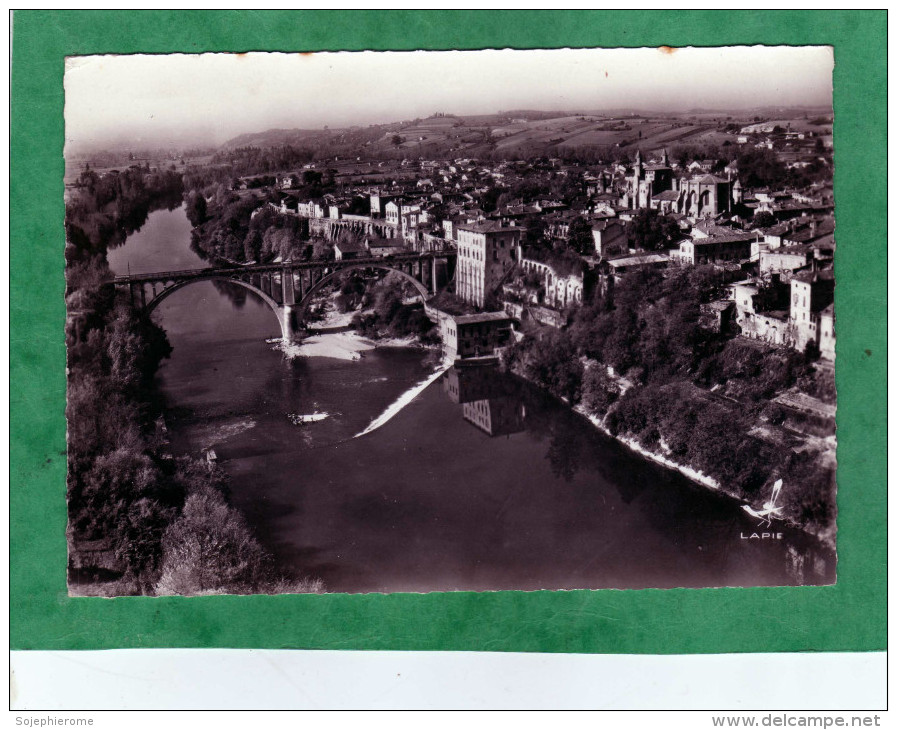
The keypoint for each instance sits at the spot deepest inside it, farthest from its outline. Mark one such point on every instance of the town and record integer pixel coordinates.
(534, 237)
(669, 279)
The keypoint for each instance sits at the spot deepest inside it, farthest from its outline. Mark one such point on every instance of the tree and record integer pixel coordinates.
(763, 219)
(489, 200)
(311, 177)
(351, 292)
(598, 391)
(650, 231)
(252, 247)
(196, 208)
(579, 237)
(759, 168)
(811, 351)
(552, 363)
(534, 235)
(397, 140)
(209, 549)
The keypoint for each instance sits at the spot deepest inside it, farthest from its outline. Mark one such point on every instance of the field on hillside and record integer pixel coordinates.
(530, 133)
(570, 133)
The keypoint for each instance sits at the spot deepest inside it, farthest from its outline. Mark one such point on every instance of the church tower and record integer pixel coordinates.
(635, 181)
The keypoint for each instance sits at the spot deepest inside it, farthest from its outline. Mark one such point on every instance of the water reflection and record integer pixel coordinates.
(485, 401)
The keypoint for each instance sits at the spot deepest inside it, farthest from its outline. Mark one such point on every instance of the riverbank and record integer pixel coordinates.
(337, 338)
(686, 471)
(335, 345)
(826, 536)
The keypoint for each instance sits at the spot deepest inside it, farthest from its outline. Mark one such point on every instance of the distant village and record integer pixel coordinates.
(777, 245)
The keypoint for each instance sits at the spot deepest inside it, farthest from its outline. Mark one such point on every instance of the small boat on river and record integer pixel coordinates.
(299, 419)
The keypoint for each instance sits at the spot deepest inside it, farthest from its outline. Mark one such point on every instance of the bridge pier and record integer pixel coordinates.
(290, 326)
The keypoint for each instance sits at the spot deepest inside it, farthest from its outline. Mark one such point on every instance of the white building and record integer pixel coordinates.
(485, 254)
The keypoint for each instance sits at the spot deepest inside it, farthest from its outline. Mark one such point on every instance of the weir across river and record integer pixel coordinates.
(288, 287)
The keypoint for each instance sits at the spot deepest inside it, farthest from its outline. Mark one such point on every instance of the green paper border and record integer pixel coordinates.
(848, 616)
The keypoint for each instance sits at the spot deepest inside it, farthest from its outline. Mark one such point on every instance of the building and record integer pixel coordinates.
(610, 238)
(345, 250)
(812, 298)
(826, 331)
(759, 320)
(808, 315)
(311, 209)
(391, 211)
(486, 253)
(700, 195)
(784, 260)
(708, 195)
(557, 291)
(646, 181)
(616, 267)
(383, 246)
(472, 335)
(734, 247)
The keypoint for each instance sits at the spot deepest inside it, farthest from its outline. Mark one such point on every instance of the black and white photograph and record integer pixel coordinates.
(381, 322)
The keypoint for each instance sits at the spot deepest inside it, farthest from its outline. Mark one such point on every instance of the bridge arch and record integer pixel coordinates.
(272, 304)
(328, 279)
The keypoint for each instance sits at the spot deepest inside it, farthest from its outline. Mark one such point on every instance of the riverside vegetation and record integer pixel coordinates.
(140, 521)
(639, 360)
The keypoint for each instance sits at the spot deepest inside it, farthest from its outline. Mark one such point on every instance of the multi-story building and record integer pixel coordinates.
(810, 316)
(812, 311)
(391, 211)
(556, 290)
(473, 335)
(647, 181)
(716, 249)
(379, 201)
(486, 252)
(784, 260)
(610, 239)
(758, 319)
(697, 196)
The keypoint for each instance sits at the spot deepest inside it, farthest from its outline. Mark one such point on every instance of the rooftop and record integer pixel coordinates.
(482, 317)
(786, 251)
(728, 238)
(384, 243)
(349, 246)
(486, 227)
(711, 179)
(810, 277)
(649, 258)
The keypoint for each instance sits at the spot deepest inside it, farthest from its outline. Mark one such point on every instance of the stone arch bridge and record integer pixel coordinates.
(287, 288)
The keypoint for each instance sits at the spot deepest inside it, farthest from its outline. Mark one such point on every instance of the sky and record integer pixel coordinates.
(178, 99)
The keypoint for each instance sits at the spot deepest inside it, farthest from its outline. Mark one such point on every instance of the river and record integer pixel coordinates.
(481, 482)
